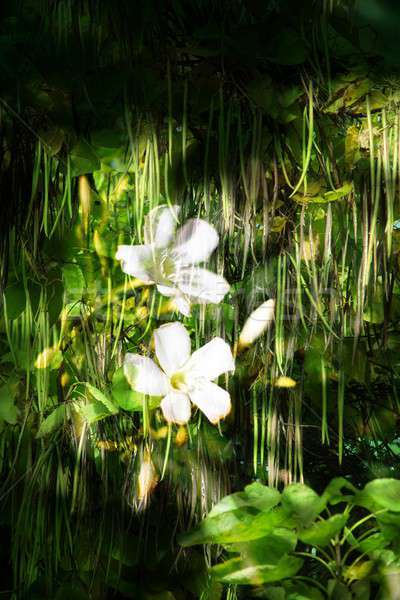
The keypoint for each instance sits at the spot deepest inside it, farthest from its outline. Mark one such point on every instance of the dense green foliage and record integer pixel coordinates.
(344, 543)
(277, 122)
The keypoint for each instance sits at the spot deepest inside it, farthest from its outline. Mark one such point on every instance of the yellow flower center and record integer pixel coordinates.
(178, 381)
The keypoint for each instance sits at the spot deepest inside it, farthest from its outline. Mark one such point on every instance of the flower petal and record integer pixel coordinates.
(183, 305)
(167, 290)
(160, 225)
(137, 261)
(212, 400)
(258, 321)
(176, 407)
(179, 302)
(211, 360)
(195, 242)
(172, 346)
(201, 285)
(145, 376)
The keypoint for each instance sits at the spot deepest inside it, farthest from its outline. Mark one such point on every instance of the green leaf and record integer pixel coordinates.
(102, 398)
(349, 95)
(55, 294)
(389, 524)
(15, 299)
(297, 590)
(289, 95)
(338, 591)
(321, 532)
(255, 495)
(275, 593)
(125, 550)
(339, 192)
(54, 139)
(263, 93)
(223, 528)
(268, 549)
(74, 282)
(83, 159)
(241, 525)
(358, 570)
(319, 198)
(52, 422)
(236, 571)
(375, 541)
(105, 242)
(302, 503)
(384, 493)
(8, 410)
(333, 491)
(93, 412)
(361, 590)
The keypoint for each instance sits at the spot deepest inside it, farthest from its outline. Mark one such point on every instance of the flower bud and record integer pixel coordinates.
(147, 479)
(259, 321)
(181, 436)
(285, 382)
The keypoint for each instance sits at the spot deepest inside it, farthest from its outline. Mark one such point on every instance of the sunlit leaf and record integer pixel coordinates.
(53, 421)
(101, 397)
(268, 549)
(255, 495)
(93, 412)
(333, 491)
(361, 570)
(236, 571)
(321, 533)
(49, 358)
(240, 525)
(74, 282)
(302, 503)
(383, 492)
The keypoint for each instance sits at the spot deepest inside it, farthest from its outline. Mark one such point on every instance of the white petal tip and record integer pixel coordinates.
(259, 321)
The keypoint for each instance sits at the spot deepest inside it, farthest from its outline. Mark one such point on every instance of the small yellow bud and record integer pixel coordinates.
(65, 379)
(181, 436)
(285, 382)
(159, 434)
(85, 201)
(108, 445)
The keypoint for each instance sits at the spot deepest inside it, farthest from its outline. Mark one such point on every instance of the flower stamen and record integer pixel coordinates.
(178, 381)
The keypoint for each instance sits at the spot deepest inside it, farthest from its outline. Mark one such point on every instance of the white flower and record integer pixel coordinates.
(258, 321)
(183, 377)
(169, 259)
